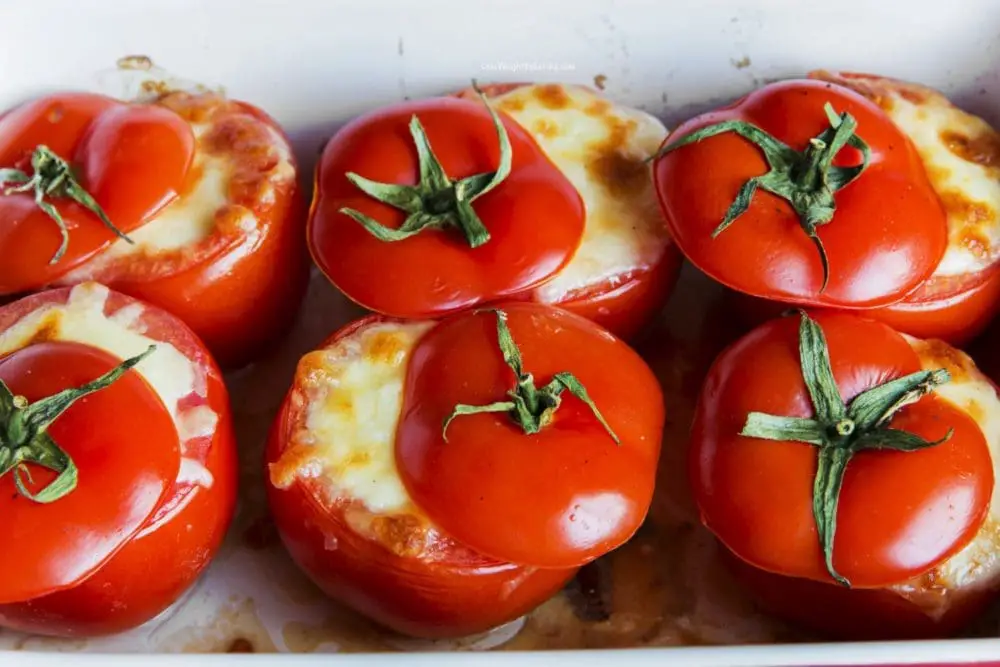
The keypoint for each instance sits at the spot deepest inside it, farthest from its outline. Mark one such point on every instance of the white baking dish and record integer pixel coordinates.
(315, 64)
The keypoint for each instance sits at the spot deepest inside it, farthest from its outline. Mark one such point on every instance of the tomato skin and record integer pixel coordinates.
(856, 614)
(130, 485)
(888, 232)
(626, 309)
(766, 517)
(436, 272)
(175, 545)
(243, 291)
(624, 305)
(955, 310)
(589, 494)
(456, 594)
(133, 156)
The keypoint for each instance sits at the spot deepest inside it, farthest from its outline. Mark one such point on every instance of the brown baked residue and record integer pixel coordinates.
(972, 216)
(240, 645)
(982, 150)
(384, 347)
(404, 535)
(621, 174)
(939, 354)
(552, 96)
(49, 329)
(598, 108)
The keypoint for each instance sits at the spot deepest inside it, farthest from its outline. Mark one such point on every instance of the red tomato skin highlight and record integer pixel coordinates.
(888, 232)
(157, 566)
(457, 594)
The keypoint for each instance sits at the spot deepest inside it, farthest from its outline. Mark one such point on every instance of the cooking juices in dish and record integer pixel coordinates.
(527, 192)
(848, 470)
(118, 461)
(189, 202)
(842, 191)
(445, 477)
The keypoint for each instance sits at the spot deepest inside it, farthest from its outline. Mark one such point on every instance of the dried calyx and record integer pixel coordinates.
(806, 179)
(840, 431)
(532, 409)
(436, 202)
(24, 439)
(53, 177)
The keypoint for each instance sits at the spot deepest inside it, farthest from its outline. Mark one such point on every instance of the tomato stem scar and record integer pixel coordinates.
(805, 179)
(436, 202)
(839, 431)
(531, 408)
(23, 436)
(53, 177)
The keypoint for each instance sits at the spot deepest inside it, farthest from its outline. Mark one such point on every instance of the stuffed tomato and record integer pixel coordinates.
(848, 472)
(446, 477)
(516, 192)
(117, 461)
(187, 201)
(842, 191)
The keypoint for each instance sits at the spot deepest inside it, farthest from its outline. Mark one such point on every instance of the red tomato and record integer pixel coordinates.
(429, 571)
(625, 304)
(151, 527)
(133, 159)
(588, 495)
(955, 310)
(859, 614)
(238, 286)
(887, 232)
(405, 575)
(899, 514)
(434, 273)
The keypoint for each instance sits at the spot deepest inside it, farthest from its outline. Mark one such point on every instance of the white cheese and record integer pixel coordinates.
(353, 393)
(174, 377)
(978, 564)
(600, 147)
(969, 190)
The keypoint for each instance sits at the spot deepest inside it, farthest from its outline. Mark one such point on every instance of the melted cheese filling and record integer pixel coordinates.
(172, 376)
(600, 148)
(978, 564)
(961, 153)
(354, 394)
(192, 217)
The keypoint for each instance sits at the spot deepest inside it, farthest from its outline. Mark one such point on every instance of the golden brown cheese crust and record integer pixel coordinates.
(254, 162)
(961, 154)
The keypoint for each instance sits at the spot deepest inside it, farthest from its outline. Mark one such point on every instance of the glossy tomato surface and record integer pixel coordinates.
(133, 159)
(888, 230)
(162, 523)
(625, 304)
(436, 271)
(238, 284)
(402, 573)
(899, 513)
(956, 310)
(588, 494)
